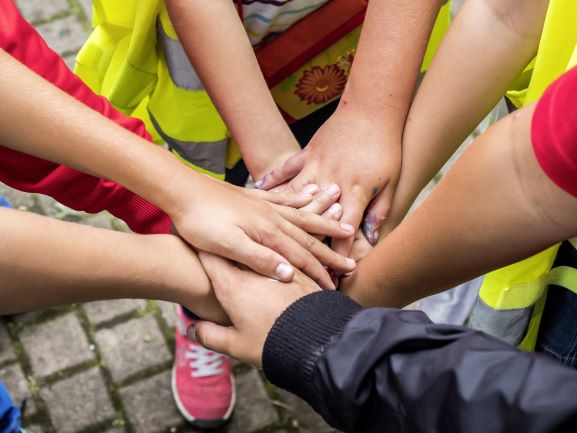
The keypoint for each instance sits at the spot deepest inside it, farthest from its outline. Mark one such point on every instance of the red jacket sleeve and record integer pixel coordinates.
(554, 132)
(70, 187)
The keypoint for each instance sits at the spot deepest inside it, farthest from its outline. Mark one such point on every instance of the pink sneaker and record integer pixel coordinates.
(202, 381)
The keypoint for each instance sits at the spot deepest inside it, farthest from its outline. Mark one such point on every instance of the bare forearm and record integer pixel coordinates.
(487, 46)
(46, 262)
(388, 59)
(38, 119)
(494, 207)
(218, 47)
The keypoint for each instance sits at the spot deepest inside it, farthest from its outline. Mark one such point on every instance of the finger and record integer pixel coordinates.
(318, 250)
(353, 209)
(214, 337)
(304, 260)
(285, 172)
(376, 214)
(323, 200)
(263, 259)
(285, 198)
(315, 224)
(335, 212)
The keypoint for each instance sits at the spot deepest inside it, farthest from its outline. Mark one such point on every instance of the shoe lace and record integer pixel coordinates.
(204, 362)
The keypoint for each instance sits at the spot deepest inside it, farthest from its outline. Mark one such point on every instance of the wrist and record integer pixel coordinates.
(387, 112)
(272, 147)
(178, 273)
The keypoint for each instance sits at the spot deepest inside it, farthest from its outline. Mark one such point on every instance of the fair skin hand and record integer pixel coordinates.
(359, 148)
(45, 263)
(253, 310)
(477, 83)
(494, 207)
(252, 227)
(471, 223)
(227, 66)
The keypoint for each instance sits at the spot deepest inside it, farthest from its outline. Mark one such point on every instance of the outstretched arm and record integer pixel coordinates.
(211, 215)
(501, 202)
(486, 48)
(45, 262)
(217, 44)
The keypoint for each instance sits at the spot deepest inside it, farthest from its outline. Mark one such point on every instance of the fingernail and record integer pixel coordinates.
(335, 209)
(332, 189)
(371, 235)
(259, 183)
(347, 227)
(191, 333)
(284, 271)
(351, 262)
(311, 188)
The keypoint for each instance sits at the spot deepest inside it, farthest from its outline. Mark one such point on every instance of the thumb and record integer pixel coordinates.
(214, 337)
(283, 173)
(377, 213)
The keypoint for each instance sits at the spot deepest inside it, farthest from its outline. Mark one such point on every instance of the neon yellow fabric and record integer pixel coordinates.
(123, 60)
(524, 283)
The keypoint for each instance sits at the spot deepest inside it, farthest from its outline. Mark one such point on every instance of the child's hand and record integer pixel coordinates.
(355, 151)
(253, 309)
(269, 238)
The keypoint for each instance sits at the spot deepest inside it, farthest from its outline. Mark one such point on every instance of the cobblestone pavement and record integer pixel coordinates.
(104, 367)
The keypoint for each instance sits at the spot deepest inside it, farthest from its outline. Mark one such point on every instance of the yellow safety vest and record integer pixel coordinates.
(511, 299)
(134, 59)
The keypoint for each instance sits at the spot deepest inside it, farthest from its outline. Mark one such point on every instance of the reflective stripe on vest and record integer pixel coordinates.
(208, 155)
(510, 295)
(181, 71)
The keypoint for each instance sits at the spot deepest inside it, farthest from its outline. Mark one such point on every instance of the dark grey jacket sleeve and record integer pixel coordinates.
(386, 371)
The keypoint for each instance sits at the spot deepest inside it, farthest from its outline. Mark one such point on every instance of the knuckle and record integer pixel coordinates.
(310, 242)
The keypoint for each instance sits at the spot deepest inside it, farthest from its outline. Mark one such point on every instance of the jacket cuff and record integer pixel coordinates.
(301, 335)
(140, 215)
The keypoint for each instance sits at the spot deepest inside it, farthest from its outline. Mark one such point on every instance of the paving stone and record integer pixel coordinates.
(55, 345)
(46, 205)
(254, 410)
(149, 405)
(34, 10)
(32, 428)
(102, 311)
(64, 35)
(86, 6)
(19, 200)
(132, 347)
(33, 315)
(15, 381)
(101, 220)
(6, 353)
(78, 402)
(308, 420)
(168, 310)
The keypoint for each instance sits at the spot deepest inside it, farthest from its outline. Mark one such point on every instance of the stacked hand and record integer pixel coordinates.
(264, 230)
(253, 304)
(356, 152)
